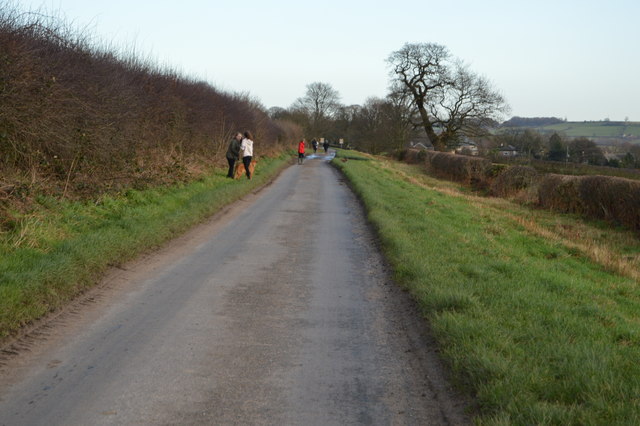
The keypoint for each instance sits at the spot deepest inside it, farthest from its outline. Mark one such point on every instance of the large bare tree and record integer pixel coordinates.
(319, 104)
(449, 98)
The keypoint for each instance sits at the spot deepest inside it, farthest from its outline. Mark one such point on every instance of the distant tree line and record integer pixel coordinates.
(531, 121)
(555, 147)
(380, 124)
(433, 95)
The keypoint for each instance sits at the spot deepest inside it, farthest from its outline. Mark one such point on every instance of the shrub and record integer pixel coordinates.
(513, 180)
(611, 198)
(497, 169)
(461, 168)
(85, 119)
(410, 156)
(560, 193)
(600, 197)
(399, 154)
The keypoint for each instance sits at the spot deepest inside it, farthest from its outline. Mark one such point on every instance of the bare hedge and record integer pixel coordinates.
(411, 156)
(462, 168)
(84, 118)
(601, 197)
(513, 180)
(614, 199)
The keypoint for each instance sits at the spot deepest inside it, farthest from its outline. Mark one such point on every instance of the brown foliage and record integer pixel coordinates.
(85, 120)
(462, 168)
(411, 156)
(513, 180)
(601, 197)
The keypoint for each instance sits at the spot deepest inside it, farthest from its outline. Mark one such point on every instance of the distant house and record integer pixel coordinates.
(420, 141)
(613, 156)
(467, 147)
(420, 145)
(507, 151)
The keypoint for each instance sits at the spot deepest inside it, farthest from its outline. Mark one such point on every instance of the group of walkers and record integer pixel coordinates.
(314, 144)
(325, 145)
(244, 143)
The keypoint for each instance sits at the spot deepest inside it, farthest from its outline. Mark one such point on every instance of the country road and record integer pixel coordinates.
(277, 311)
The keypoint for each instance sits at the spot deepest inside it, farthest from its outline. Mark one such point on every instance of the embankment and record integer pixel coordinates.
(610, 198)
(533, 310)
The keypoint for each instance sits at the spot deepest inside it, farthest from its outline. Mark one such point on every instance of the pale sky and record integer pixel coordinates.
(564, 58)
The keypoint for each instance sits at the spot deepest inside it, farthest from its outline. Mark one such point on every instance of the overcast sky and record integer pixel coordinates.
(564, 58)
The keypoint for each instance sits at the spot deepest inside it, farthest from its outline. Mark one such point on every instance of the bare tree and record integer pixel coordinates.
(319, 105)
(419, 69)
(450, 99)
(400, 118)
(382, 124)
(467, 105)
(370, 124)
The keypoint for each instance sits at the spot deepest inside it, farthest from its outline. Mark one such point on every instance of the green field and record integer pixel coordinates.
(575, 169)
(537, 314)
(594, 129)
(61, 247)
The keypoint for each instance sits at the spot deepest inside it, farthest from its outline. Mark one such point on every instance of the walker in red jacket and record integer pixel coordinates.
(301, 152)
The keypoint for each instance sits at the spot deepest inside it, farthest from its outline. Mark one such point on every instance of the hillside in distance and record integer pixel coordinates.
(600, 131)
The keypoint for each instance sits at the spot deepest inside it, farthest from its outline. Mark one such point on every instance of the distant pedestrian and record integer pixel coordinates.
(325, 145)
(314, 144)
(247, 152)
(301, 152)
(233, 153)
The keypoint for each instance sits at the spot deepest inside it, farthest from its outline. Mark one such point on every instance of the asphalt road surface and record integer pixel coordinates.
(277, 311)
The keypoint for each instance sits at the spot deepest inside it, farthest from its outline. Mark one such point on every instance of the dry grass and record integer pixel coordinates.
(601, 197)
(538, 332)
(590, 243)
(611, 198)
(614, 249)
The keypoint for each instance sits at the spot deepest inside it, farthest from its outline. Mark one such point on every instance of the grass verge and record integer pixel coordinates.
(530, 309)
(61, 247)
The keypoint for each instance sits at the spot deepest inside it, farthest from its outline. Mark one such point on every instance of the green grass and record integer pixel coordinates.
(559, 167)
(592, 129)
(351, 155)
(538, 331)
(62, 247)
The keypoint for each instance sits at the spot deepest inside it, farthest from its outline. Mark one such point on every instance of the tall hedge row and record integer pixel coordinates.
(85, 118)
(600, 197)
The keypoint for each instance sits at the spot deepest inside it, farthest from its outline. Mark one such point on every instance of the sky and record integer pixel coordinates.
(578, 60)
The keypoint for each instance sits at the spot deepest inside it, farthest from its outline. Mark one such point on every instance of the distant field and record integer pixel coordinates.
(593, 129)
(561, 168)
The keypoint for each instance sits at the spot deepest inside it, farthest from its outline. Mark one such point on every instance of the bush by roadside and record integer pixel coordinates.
(78, 120)
(469, 170)
(600, 197)
(611, 198)
(511, 181)
(461, 168)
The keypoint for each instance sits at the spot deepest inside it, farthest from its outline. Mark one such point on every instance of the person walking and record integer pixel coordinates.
(325, 145)
(314, 144)
(247, 152)
(233, 153)
(301, 152)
